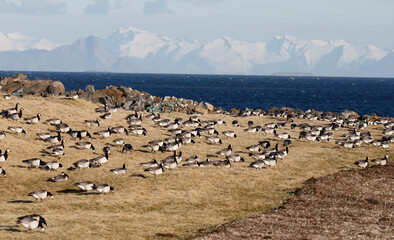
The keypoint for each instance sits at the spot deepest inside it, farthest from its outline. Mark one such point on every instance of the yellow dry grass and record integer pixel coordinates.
(176, 203)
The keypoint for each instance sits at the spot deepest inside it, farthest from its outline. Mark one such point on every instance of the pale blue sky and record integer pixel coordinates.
(64, 21)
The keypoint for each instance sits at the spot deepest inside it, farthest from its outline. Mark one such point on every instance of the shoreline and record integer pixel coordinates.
(132, 99)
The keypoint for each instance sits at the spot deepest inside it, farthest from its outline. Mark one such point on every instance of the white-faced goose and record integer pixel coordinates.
(16, 129)
(270, 161)
(175, 131)
(281, 154)
(7, 97)
(85, 185)
(54, 139)
(106, 115)
(265, 144)
(32, 120)
(153, 147)
(85, 145)
(54, 121)
(257, 156)
(152, 163)
(172, 157)
(187, 140)
(4, 156)
(235, 123)
(83, 134)
(80, 164)
(174, 125)
(271, 150)
(59, 178)
(118, 141)
(2, 135)
(127, 148)
(170, 164)
(135, 121)
(191, 159)
(104, 188)
(214, 139)
(43, 136)
(93, 123)
(282, 135)
(268, 130)
(52, 165)
(235, 158)
(58, 151)
(40, 194)
(173, 146)
(34, 162)
(225, 163)
(191, 123)
(15, 116)
(257, 164)
(229, 134)
(385, 145)
(362, 163)
(120, 170)
(57, 146)
(190, 164)
(119, 129)
(156, 170)
(251, 130)
(205, 163)
(63, 127)
(138, 131)
(164, 122)
(2, 171)
(380, 161)
(225, 151)
(101, 159)
(253, 148)
(32, 221)
(111, 109)
(103, 133)
(10, 111)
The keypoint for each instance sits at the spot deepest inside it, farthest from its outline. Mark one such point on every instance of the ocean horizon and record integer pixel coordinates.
(322, 93)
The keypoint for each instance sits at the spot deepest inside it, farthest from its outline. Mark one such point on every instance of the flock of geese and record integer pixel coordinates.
(264, 153)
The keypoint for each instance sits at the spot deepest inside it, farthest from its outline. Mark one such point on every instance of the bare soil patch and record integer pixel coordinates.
(353, 204)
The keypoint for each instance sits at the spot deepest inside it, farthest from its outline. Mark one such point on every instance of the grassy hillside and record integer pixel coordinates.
(176, 203)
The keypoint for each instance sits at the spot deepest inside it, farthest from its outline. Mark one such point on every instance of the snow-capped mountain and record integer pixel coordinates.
(19, 42)
(134, 50)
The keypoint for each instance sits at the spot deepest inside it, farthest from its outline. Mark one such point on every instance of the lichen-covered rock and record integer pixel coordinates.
(56, 88)
(90, 89)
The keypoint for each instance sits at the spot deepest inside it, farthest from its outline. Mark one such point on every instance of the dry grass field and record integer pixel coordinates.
(175, 204)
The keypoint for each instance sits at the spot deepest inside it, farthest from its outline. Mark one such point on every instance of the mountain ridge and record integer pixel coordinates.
(135, 50)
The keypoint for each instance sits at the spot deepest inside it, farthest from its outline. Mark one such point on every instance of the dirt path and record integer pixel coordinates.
(356, 204)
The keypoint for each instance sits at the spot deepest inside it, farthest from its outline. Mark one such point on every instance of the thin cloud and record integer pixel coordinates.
(98, 7)
(157, 7)
(33, 7)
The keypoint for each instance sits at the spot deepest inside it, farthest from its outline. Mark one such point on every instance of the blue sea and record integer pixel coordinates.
(334, 94)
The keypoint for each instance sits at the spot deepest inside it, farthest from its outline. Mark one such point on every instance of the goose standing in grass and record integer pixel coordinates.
(63, 127)
(2, 135)
(84, 134)
(32, 120)
(257, 164)
(214, 139)
(225, 151)
(16, 129)
(10, 111)
(229, 134)
(118, 141)
(138, 131)
(253, 148)
(85, 186)
(52, 165)
(127, 148)
(152, 163)
(235, 158)
(57, 146)
(153, 147)
(120, 170)
(282, 135)
(106, 115)
(32, 221)
(43, 136)
(54, 139)
(7, 97)
(93, 123)
(54, 121)
(225, 164)
(4, 156)
(104, 188)
(101, 159)
(40, 194)
(235, 123)
(156, 170)
(257, 156)
(191, 159)
(170, 164)
(104, 133)
(2, 171)
(80, 164)
(380, 161)
(34, 162)
(270, 162)
(15, 116)
(119, 129)
(362, 163)
(59, 178)
(85, 145)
